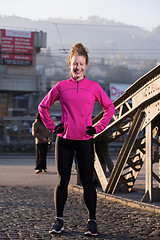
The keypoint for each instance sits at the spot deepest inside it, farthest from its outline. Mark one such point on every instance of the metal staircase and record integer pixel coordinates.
(137, 117)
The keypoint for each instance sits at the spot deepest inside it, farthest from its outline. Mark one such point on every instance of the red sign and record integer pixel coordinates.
(17, 47)
(116, 90)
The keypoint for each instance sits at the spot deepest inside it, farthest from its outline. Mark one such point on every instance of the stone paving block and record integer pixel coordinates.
(28, 213)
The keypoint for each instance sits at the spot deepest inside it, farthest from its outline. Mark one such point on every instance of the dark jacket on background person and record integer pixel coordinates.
(41, 135)
(39, 131)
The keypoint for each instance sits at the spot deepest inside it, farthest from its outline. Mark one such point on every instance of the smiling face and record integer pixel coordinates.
(78, 66)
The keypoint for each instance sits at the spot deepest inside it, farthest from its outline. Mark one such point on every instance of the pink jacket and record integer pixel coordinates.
(77, 100)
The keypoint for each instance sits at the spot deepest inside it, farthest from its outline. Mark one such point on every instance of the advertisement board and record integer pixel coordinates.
(17, 47)
(116, 90)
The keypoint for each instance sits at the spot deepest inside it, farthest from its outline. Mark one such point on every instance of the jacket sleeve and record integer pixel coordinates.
(36, 133)
(45, 105)
(107, 106)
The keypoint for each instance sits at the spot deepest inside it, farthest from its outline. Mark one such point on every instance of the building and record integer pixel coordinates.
(20, 86)
(18, 75)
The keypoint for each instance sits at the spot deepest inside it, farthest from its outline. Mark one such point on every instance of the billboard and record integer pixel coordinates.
(17, 47)
(116, 90)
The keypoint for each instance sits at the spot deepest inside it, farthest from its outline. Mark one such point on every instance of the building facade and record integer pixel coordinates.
(18, 75)
(20, 86)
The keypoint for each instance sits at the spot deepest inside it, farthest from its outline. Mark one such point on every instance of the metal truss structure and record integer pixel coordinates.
(137, 117)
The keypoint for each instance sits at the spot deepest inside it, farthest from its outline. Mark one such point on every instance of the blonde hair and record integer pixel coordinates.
(78, 50)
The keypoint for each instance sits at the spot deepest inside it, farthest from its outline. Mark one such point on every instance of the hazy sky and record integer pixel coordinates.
(143, 13)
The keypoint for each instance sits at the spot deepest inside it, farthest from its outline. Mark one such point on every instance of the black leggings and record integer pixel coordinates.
(64, 154)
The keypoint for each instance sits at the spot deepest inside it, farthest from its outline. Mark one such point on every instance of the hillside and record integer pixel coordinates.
(102, 37)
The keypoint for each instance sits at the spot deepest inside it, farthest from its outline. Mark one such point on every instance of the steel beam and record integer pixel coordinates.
(125, 151)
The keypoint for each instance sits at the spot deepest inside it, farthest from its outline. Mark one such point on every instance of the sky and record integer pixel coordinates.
(142, 13)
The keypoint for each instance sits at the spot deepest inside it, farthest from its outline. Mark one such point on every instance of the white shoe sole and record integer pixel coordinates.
(54, 231)
(88, 233)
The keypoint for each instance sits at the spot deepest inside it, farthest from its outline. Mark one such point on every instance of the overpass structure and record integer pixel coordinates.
(137, 117)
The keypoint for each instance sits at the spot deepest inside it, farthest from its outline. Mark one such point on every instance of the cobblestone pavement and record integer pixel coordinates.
(27, 213)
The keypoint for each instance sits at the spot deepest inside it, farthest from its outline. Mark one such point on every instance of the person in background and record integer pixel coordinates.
(77, 96)
(41, 135)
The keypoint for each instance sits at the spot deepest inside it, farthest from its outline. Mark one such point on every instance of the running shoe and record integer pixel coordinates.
(91, 228)
(57, 226)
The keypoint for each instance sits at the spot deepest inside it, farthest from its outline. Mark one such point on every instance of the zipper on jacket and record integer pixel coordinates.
(77, 85)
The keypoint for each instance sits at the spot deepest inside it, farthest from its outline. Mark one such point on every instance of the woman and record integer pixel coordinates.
(41, 134)
(77, 96)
